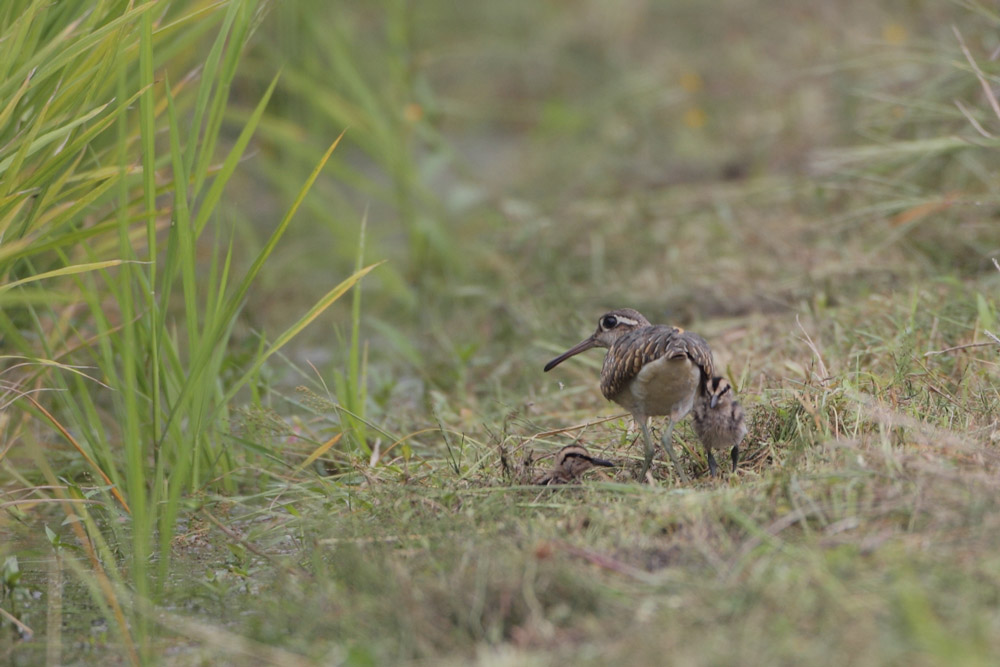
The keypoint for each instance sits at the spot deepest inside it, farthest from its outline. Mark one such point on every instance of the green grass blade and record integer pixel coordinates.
(314, 312)
(65, 271)
(214, 193)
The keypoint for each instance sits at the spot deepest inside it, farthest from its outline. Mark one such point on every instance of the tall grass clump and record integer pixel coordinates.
(360, 69)
(347, 66)
(115, 154)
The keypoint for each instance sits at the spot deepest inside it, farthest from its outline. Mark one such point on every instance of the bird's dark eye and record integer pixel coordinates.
(609, 322)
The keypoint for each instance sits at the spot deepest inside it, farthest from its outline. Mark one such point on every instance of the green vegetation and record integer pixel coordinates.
(277, 282)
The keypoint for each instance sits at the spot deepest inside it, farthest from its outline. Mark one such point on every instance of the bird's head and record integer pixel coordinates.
(610, 327)
(716, 388)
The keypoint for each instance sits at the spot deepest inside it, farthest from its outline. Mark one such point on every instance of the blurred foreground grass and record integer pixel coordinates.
(796, 184)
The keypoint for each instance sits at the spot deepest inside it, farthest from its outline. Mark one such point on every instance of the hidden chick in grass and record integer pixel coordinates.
(719, 421)
(571, 462)
(650, 370)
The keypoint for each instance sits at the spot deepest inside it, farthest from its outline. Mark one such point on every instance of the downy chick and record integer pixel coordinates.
(719, 421)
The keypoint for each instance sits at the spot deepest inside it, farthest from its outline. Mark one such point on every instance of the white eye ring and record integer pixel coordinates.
(609, 322)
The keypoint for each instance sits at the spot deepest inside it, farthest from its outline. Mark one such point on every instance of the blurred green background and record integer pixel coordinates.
(525, 166)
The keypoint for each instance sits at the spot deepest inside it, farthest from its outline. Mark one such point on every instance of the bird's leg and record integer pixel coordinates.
(735, 455)
(648, 441)
(713, 467)
(666, 438)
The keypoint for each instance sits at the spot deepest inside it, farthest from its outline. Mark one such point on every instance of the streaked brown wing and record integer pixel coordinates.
(695, 347)
(635, 349)
(631, 352)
